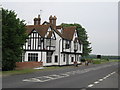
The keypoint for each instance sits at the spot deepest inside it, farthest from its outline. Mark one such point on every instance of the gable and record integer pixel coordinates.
(51, 35)
(75, 35)
(68, 32)
(41, 29)
(32, 32)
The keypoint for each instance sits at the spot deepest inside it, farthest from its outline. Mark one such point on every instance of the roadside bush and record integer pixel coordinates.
(82, 60)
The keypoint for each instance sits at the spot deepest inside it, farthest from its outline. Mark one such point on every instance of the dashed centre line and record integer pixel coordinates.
(90, 85)
(100, 80)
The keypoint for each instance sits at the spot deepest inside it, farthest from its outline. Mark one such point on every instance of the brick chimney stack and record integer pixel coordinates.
(52, 21)
(37, 21)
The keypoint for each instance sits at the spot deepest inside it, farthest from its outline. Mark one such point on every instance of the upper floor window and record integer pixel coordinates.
(39, 42)
(80, 47)
(67, 44)
(42, 39)
(47, 42)
(75, 45)
(29, 42)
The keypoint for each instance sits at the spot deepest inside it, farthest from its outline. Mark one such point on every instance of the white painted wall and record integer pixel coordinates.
(58, 50)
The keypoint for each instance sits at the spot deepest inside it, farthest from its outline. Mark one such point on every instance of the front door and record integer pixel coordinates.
(67, 59)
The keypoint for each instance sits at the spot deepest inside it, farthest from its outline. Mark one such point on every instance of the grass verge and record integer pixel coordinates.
(100, 61)
(26, 71)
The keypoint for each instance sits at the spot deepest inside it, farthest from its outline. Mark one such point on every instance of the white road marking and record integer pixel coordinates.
(32, 80)
(100, 79)
(62, 75)
(113, 73)
(104, 77)
(90, 85)
(96, 82)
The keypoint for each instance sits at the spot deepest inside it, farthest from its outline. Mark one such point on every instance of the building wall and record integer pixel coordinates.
(58, 52)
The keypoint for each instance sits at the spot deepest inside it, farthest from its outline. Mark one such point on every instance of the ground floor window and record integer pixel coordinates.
(56, 58)
(49, 57)
(33, 57)
(72, 59)
(63, 57)
(77, 57)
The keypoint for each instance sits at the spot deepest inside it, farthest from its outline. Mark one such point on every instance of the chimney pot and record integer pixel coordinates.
(37, 20)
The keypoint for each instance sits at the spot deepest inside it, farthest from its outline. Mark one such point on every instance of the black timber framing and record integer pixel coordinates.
(41, 50)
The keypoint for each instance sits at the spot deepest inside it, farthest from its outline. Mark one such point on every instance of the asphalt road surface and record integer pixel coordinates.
(92, 76)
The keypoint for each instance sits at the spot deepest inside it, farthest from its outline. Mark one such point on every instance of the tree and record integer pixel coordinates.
(13, 38)
(82, 34)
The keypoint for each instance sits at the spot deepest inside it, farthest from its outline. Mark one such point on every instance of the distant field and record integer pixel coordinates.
(100, 61)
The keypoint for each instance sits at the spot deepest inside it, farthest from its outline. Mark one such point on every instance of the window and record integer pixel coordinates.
(67, 45)
(53, 42)
(63, 57)
(75, 46)
(33, 57)
(77, 58)
(42, 39)
(49, 57)
(72, 59)
(29, 42)
(80, 47)
(39, 42)
(56, 58)
(48, 42)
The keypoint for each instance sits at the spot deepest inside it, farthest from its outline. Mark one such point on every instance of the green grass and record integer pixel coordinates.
(25, 71)
(15, 72)
(114, 61)
(100, 61)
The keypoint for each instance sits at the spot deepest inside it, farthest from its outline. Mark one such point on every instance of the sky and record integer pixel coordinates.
(100, 19)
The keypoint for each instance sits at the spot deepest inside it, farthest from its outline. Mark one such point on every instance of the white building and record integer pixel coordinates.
(51, 44)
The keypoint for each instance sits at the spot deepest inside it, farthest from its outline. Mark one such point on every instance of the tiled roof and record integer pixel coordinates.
(58, 27)
(41, 29)
(58, 33)
(68, 32)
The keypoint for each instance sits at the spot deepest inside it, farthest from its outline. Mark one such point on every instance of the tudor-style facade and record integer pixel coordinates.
(51, 44)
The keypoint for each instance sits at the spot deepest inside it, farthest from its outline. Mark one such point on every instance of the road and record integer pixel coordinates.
(92, 76)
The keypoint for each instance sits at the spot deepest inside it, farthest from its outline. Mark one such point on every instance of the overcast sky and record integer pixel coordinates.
(100, 19)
